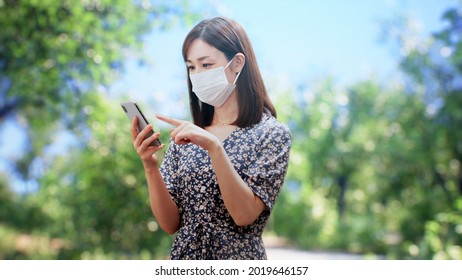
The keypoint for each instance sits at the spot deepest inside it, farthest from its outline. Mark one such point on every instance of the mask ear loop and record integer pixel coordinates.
(237, 76)
(229, 62)
(238, 73)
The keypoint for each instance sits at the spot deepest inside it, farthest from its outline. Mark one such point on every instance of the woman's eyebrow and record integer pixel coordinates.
(200, 58)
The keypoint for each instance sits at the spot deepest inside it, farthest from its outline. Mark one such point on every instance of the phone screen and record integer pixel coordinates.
(132, 110)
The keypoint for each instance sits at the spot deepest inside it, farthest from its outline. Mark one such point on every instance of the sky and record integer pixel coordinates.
(295, 42)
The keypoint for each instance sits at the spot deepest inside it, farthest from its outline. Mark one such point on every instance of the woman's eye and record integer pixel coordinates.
(190, 68)
(206, 65)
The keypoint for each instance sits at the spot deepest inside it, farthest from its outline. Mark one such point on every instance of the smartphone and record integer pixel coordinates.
(132, 110)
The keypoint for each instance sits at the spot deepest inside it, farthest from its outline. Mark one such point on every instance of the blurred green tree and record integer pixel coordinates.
(56, 58)
(97, 197)
(434, 67)
(377, 168)
(55, 55)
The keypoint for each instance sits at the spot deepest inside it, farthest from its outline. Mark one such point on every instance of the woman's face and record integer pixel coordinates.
(202, 57)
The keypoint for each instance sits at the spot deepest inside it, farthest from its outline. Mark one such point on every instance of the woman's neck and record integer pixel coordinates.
(227, 113)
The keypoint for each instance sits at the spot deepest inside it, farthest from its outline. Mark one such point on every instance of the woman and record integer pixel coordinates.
(222, 173)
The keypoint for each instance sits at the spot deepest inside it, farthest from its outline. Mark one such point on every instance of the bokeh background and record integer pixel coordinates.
(371, 90)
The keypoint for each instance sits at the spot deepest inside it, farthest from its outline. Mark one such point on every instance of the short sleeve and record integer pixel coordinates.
(169, 170)
(265, 175)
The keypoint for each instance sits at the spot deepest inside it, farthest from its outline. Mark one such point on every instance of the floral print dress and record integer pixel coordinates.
(260, 155)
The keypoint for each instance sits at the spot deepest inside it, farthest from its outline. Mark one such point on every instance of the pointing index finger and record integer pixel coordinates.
(171, 121)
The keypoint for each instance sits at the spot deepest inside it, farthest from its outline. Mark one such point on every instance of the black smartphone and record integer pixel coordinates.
(132, 110)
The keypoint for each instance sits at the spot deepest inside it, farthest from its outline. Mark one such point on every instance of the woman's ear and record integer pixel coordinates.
(239, 62)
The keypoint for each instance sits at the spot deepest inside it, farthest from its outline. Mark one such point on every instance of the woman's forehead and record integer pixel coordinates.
(198, 50)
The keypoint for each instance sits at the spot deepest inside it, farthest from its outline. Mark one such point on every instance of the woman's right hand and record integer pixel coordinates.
(141, 145)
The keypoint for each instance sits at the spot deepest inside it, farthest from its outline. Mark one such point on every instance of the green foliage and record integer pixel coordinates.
(97, 196)
(440, 72)
(92, 202)
(55, 55)
(20, 221)
(377, 169)
(19, 212)
(56, 60)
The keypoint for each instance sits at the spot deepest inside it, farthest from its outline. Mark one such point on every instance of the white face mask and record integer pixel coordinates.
(212, 86)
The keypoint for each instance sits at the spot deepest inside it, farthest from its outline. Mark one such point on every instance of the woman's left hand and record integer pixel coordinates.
(186, 132)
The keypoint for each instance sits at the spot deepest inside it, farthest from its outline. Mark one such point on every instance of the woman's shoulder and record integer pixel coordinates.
(270, 125)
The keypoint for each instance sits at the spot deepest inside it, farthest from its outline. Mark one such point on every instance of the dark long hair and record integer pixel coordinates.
(230, 38)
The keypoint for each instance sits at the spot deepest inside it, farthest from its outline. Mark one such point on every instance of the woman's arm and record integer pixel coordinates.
(162, 205)
(240, 201)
